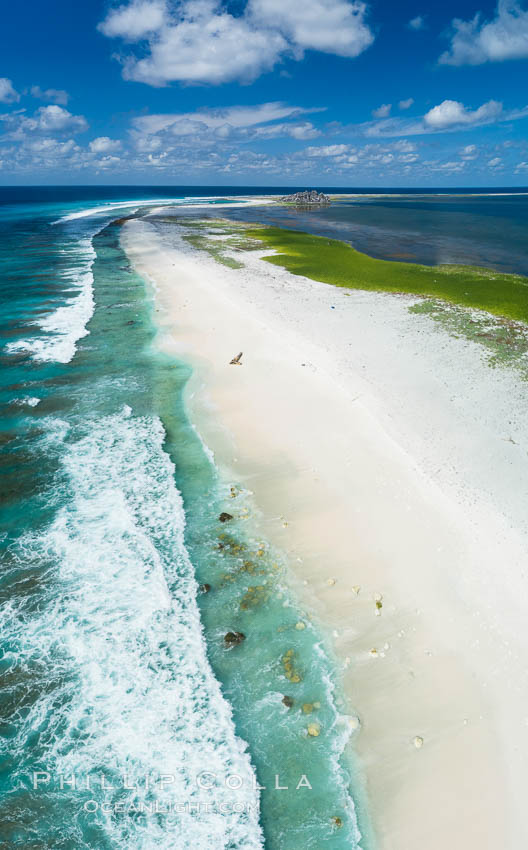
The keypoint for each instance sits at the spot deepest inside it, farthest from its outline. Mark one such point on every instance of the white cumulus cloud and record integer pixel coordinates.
(199, 41)
(327, 150)
(331, 26)
(449, 166)
(406, 104)
(452, 113)
(7, 92)
(469, 152)
(51, 147)
(477, 41)
(206, 46)
(107, 162)
(417, 23)
(51, 95)
(46, 121)
(104, 145)
(302, 131)
(56, 119)
(447, 117)
(404, 146)
(382, 111)
(134, 21)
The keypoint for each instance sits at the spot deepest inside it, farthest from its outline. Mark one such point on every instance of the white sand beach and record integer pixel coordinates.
(390, 463)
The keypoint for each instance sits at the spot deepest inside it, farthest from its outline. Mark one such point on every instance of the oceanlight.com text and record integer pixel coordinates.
(197, 807)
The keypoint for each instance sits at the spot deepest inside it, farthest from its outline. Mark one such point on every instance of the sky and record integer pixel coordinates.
(264, 92)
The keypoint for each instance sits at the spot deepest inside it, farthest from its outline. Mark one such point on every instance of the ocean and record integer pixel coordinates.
(126, 720)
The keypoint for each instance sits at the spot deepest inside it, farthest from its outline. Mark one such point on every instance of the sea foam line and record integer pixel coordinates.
(111, 206)
(189, 200)
(66, 325)
(122, 641)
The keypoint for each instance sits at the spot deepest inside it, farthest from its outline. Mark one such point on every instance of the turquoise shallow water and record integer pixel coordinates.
(118, 691)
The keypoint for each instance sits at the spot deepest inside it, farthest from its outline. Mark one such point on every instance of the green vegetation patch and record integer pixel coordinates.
(219, 238)
(214, 249)
(335, 262)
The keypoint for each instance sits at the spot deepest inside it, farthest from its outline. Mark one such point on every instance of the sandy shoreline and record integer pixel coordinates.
(386, 455)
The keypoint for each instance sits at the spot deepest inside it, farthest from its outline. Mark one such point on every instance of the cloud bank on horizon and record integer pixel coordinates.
(337, 92)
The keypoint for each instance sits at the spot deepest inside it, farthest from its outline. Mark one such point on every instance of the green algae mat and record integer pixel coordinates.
(337, 263)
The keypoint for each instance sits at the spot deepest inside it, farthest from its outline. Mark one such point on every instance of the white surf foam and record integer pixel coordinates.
(118, 205)
(27, 401)
(66, 325)
(133, 206)
(142, 699)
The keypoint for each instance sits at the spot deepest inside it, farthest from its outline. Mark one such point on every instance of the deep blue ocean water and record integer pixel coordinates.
(117, 690)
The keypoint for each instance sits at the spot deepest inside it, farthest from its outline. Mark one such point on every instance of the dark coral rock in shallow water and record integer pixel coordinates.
(225, 517)
(234, 638)
(205, 588)
(288, 701)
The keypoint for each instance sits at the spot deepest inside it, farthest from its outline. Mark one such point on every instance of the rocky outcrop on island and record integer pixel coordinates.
(306, 198)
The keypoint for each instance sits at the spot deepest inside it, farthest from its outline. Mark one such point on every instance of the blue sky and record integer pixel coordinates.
(265, 92)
